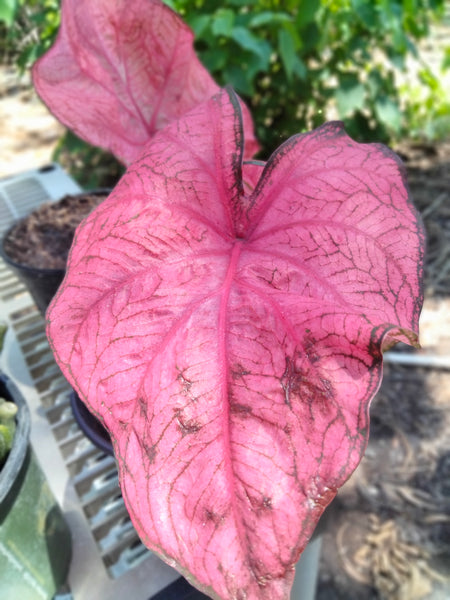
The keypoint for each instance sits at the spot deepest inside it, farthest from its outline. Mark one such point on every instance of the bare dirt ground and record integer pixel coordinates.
(28, 132)
(389, 535)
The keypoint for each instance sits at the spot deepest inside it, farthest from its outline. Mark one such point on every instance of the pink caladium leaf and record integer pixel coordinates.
(121, 70)
(225, 321)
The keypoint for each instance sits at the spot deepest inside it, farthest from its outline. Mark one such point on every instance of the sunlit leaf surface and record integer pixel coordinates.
(225, 321)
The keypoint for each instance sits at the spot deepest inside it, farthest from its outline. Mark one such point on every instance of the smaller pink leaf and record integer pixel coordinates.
(121, 70)
(225, 321)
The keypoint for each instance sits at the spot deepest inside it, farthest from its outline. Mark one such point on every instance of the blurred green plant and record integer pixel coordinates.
(27, 29)
(428, 109)
(8, 412)
(91, 167)
(295, 62)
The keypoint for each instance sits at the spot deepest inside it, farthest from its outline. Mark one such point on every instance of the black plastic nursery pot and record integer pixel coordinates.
(35, 541)
(41, 279)
(41, 283)
(90, 425)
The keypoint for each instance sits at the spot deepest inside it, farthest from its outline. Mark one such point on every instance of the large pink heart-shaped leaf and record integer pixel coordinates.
(230, 338)
(121, 70)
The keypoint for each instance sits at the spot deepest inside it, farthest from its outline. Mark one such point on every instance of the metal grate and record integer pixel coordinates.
(109, 561)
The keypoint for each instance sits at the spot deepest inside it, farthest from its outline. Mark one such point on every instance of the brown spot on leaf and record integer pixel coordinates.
(267, 503)
(305, 386)
(288, 429)
(186, 426)
(214, 517)
(260, 503)
(242, 410)
(186, 384)
(290, 381)
(143, 406)
(259, 572)
(150, 451)
(238, 371)
(309, 348)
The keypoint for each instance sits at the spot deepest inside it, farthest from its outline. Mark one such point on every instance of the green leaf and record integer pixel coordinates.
(300, 68)
(375, 82)
(307, 12)
(446, 60)
(388, 112)
(239, 80)
(292, 30)
(286, 47)
(7, 11)
(223, 21)
(241, 2)
(427, 77)
(214, 59)
(28, 56)
(269, 18)
(199, 24)
(311, 37)
(350, 95)
(366, 11)
(246, 40)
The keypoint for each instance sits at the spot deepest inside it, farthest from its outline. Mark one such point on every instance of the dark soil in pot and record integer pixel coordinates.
(43, 239)
(36, 248)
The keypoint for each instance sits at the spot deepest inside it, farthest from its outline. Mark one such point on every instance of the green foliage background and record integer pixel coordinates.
(292, 61)
(27, 29)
